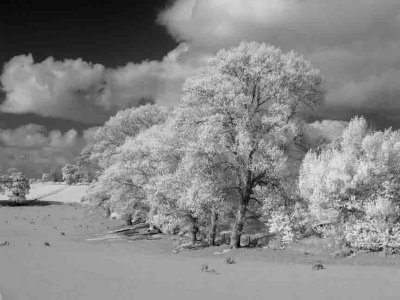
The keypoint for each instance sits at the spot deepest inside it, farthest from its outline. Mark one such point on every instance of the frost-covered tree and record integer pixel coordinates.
(244, 108)
(157, 175)
(89, 169)
(330, 180)
(104, 153)
(120, 189)
(356, 184)
(225, 145)
(190, 195)
(150, 163)
(15, 184)
(126, 123)
(209, 187)
(56, 174)
(71, 174)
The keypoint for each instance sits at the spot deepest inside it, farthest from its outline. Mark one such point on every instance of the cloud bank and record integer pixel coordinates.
(320, 133)
(33, 150)
(354, 43)
(90, 93)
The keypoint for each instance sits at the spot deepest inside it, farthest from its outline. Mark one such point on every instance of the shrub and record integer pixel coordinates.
(17, 185)
(167, 224)
(48, 177)
(280, 224)
(372, 235)
(229, 260)
(71, 174)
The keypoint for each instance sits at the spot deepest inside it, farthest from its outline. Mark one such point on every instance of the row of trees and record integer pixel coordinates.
(223, 151)
(16, 185)
(70, 174)
(235, 147)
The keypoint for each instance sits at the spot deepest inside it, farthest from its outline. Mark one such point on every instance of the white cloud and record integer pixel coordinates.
(352, 42)
(33, 150)
(324, 132)
(161, 81)
(311, 22)
(67, 89)
(90, 93)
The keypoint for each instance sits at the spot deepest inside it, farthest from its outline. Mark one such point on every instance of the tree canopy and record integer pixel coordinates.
(244, 108)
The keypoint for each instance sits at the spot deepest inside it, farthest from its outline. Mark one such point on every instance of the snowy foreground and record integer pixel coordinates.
(70, 267)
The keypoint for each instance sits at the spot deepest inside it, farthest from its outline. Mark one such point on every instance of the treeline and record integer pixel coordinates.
(234, 146)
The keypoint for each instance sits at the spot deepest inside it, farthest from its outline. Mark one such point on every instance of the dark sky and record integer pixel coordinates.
(111, 33)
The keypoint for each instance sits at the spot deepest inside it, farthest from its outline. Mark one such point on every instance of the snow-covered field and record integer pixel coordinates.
(59, 192)
(68, 194)
(73, 268)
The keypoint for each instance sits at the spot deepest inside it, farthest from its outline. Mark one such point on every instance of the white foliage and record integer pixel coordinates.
(359, 180)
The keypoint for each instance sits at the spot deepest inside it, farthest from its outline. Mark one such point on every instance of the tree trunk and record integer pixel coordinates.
(128, 219)
(150, 216)
(238, 225)
(213, 228)
(108, 212)
(386, 241)
(195, 229)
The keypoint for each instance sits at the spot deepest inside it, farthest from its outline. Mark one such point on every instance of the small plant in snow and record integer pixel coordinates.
(16, 185)
(229, 260)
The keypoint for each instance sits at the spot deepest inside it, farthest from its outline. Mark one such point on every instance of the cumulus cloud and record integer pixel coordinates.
(354, 43)
(85, 92)
(34, 150)
(68, 89)
(161, 81)
(324, 132)
(310, 22)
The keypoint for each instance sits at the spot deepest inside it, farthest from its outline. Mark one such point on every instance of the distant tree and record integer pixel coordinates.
(4, 180)
(16, 184)
(12, 171)
(56, 174)
(87, 166)
(47, 177)
(20, 187)
(71, 174)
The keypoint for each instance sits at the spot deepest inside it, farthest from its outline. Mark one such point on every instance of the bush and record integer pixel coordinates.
(17, 186)
(279, 223)
(167, 224)
(372, 235)
(229, 260)
(71, 174)
(290, 223)
(48, 177)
